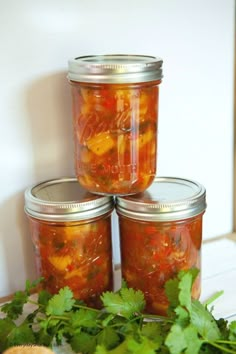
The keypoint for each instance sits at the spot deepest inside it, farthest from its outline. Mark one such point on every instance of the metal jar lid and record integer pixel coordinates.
(167, 199)
(116, 68)
(64, 199)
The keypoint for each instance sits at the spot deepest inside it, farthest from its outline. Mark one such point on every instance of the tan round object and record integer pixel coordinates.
(28, 349)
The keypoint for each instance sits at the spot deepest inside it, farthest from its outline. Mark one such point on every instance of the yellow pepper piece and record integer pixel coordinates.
(100, 143)
(60, 262)
(145, 138)
(79, 272)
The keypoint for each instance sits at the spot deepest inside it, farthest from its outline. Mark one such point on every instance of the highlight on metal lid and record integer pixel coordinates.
(64, 199)
(115, 68)
(167, 199)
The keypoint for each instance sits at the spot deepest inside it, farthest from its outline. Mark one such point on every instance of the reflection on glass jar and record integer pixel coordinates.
(161, 234)
(71, 233)
(115, 122)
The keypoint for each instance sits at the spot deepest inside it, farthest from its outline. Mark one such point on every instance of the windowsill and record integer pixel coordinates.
(219, 273)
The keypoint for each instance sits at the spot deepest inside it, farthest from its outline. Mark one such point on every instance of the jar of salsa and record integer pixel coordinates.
(71, 234)
(161, 234)
(115, 114)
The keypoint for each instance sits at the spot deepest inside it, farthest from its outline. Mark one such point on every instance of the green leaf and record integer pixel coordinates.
(185, 286)
(152, 330)
(61, 302)
(120, 349)
(204, 322)
(43, 297)
(182, 316)
(232, 331)
(178, 290)
(43, 338)
(6, 326)
(15, 308)
(29, 286)
(101, 350)
(21, 335)
(126, 303)
(108, 338)
(175, 340)
(193, 342)
(143, 346)
(83, 318)
(84, 343)
(172, 292)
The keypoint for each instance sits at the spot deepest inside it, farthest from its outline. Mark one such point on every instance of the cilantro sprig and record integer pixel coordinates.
(121, 326)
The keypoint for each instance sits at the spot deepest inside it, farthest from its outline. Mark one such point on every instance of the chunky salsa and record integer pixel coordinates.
(115, 134)
(153, 252)
(74, 254)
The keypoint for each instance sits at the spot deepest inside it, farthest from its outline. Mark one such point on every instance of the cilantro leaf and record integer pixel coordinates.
(83, 318)
(44, 297)
(108, 338)
(29, 286)
(126, 303)
(122, 328)
(152, 330)
(101, 350)
(61, 302)
(185, 286)
(142, 346)
(182, 315)
(21, 335)
(15, 308)
(175, 340)
(232, 331)
(192, 339)
(6, 326)
(84, 343)
(204, 322)
(172, 292)
(178, 289)
(120, 349)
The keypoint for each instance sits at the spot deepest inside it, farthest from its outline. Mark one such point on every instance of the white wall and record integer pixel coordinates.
(195, 39)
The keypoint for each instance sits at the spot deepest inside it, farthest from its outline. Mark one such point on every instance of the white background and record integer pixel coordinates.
(195, 38)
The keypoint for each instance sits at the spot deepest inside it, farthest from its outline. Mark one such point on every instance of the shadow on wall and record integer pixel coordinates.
(49, 129)
(50, 122)
(16, 242)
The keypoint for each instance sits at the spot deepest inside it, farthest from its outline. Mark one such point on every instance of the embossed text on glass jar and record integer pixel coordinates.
(115, 130)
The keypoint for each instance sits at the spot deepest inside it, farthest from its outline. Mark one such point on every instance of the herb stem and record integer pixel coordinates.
(86, 308)
(55, 317)
(157, 318)
(223, 349)
(33, 302)
(223, 341)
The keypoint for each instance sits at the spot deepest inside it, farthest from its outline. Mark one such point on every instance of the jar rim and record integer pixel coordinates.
(64, 199)
(167, 199)
(115, 68)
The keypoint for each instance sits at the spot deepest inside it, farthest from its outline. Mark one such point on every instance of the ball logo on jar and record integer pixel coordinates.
(115, 137)
(94, 124)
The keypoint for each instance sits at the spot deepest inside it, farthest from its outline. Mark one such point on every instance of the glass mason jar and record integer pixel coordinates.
(71, 234)
(115, 114)
(161, 234)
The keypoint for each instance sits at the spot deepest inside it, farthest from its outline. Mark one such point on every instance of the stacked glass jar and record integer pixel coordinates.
(115, 115)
